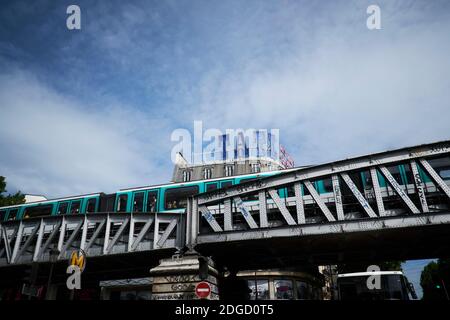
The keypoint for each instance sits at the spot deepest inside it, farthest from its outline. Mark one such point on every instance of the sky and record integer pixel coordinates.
(93, 109)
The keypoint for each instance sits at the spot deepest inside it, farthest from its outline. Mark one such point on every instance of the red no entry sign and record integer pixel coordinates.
(202, 289)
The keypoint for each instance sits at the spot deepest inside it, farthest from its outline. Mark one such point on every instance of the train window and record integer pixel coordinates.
(75, 207)
(2, 215)
(327, 185)
(408, 174)
(395, 172)
(91, 204)
(226, 184)
(138, 202)
(62, 208)
(211, 187)
(122, 203)
(290, 191)
(177, 197)
(38, 211)
(152, 201)
(12, 214)
(445, 174)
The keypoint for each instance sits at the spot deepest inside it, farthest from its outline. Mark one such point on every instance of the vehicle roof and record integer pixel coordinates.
(206, 180)
(52, 200)
(373, 273)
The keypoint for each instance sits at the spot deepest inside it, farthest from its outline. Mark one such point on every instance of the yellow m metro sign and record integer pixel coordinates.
(78, 258)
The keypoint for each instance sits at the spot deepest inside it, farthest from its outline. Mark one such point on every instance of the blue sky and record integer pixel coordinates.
(93, 109)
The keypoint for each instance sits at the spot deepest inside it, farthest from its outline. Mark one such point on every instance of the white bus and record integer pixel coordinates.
(393, 286)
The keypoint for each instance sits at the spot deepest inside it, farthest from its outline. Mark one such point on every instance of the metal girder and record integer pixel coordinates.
(18, 241)
(95, 235)
(166, 233)
(240, 205)
(227, 216)
(354, 189)
(7, 243)
(37, 235)
(310, 173)
(117, 235)
(377, 191)
(399, 190)
(337, 197)
(299, 203)
(39, 252)
(27, 242)
(435, 177)
(72, 237)
(319, 201)
(336, 227)
(132, 245)
(263, 222)
(281, 206)
(210, 219)
(419, 186)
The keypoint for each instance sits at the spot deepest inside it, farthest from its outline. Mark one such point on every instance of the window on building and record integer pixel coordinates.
(138, 202)
(62, 207)
(122, 203)
(283, 289)
(75, 207)
(207, 173)
(152, 201)
(259, 289)
(187, 175)
(12, 214)
(176, 198)
(38, 211)
(91, 204)
(256, 167)
(229, 170)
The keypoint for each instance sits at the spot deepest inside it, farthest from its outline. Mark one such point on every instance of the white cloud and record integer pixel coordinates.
(54, 146)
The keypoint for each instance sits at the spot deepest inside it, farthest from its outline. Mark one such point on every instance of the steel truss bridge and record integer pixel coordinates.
(250, 225)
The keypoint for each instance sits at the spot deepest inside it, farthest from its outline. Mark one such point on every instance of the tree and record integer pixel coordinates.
(8, 199)
(435, 280)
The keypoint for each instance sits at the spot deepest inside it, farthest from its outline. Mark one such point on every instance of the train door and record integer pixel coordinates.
(152, 201)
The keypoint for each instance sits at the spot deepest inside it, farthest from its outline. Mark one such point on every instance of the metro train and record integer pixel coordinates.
(172, 197)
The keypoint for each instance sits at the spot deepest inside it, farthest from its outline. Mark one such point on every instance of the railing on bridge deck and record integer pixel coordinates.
(255, 210)
(97, 234)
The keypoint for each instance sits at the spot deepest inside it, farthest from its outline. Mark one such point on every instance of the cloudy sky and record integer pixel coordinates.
(93, 109)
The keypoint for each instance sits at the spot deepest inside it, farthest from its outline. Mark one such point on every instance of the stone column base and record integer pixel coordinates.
(176, 278)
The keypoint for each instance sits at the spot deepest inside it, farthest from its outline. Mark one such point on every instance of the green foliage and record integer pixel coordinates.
(435, 280)
(8, 199)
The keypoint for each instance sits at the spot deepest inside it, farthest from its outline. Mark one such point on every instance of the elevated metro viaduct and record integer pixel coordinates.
(249, 226)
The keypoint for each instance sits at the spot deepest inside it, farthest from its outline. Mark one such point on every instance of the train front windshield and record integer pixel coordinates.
(393, 287)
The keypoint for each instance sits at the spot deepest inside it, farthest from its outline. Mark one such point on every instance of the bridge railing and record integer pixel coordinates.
(257, 209)
(97, 234)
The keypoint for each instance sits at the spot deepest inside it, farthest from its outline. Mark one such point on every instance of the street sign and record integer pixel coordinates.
(202, 290)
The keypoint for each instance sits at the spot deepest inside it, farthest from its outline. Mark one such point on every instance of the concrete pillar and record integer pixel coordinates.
(176, 278)
(52, 291)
